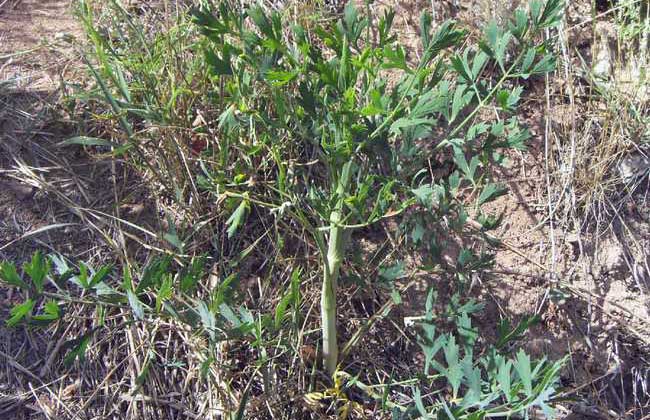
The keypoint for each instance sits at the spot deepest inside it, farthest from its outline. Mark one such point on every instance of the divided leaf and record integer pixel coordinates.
(238, 217)
(19, 312)
(37, 269)
(9, 275)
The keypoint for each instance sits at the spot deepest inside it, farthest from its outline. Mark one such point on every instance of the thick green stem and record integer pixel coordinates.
(333, 259)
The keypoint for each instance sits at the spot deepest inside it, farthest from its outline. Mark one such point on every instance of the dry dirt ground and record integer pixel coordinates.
(585, 292)
(34, 62)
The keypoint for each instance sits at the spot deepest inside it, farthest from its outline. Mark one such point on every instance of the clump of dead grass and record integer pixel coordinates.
(597, 145)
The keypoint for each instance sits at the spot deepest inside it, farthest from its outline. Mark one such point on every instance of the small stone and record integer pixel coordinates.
(573, 238)
(21, 191)
(633, 166)
(64, 37)
(611, 256)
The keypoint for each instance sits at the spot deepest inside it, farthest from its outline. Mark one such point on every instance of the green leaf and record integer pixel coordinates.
(238, 217)
(508, 99)
(492, 34)
(370, 110)
(121, 83)
(229, 314)
(489, 222)
(208, 23)
(545, 65)
(425, 29)
(394, 58)
(191, 276)
(517, 137)
(506, 334)
(281, 77)
(527, 61)
(502, 98)
(107, 293)
(18, 312)
(504, 378)
(472, 381)
(476, 130)
(82, 278)
(417, 233)
(514, 96)
(410, 122)
(384, 27)
(87, 141)
(395, 296)
(462, 164)
(480, 59)
(153, 273)
(461, 65)
(37, 269)
(520, 24)
(127, 281)
(430, 346)
(501, 48)
(425, 195)
(446, 36)
(460, 101)
(218, 66)
(376, 105)
(468, 169)
(454, 182)
(100, 275)
(454, 372)
(172, 236)
(110, 98)
(522, 366)
(9, 275)
(552, 14)
(79, 350)
(392, 273)
(490, 192)
(207, 317)
(535, 10)
(468, 333)
(136, 306)
(419, 404)
(281, 309)
(164, 291)
(224, 290)
(51, 312)
(260, 19)
(227, 120)
(350, 15)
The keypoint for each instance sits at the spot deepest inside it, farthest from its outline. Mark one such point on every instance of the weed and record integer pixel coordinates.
(317, 132)
(327, 93)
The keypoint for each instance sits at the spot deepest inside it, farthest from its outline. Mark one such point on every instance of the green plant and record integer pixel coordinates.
(146, 83)
(322, 93)
(53, 290)
(36, 270)
(482, 386)
(172, 288)
(458, 382)
(331, 129)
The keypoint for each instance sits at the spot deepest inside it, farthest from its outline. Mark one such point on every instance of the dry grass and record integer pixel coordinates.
(596, 129)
